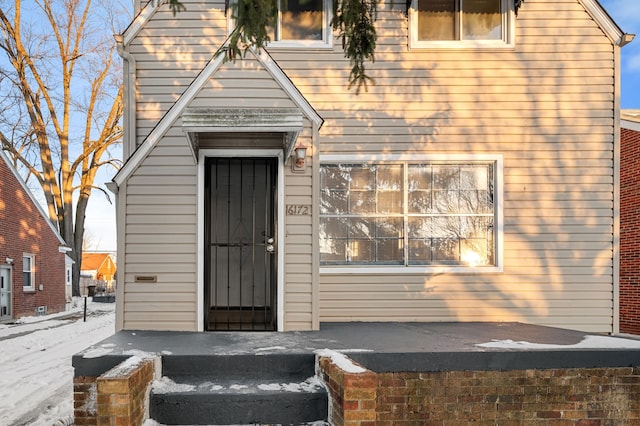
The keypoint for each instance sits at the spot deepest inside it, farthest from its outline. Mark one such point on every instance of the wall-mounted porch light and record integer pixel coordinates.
(299, 157)
(9, 261)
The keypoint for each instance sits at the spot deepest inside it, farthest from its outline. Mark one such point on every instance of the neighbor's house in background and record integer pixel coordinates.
(35, 272)
(630, 222)
(476, 180)
(99, 270)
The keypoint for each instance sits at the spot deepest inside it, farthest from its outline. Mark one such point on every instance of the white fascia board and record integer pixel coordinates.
(26, 189)
(630, 125)
(604, 20)
(287, 85)
(167, 121)
(140, 21)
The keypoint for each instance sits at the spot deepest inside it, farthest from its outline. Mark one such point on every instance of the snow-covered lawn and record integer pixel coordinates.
(36, 377)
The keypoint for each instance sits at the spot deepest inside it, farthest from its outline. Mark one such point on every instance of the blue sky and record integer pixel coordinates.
(626, 13)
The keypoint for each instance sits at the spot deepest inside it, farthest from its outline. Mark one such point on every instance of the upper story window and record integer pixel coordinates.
(461, 23)
(302, 23)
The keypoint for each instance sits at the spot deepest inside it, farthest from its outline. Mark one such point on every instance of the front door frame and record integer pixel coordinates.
(254, 153)
(8, 291)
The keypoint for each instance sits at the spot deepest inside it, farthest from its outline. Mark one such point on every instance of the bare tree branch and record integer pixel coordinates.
(49, 69)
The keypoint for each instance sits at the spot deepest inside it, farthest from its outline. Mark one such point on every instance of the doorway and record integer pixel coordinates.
(240, 244)
(5, 293)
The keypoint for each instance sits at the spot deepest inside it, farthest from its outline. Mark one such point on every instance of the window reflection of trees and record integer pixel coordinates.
(448, 217)
(299, 20)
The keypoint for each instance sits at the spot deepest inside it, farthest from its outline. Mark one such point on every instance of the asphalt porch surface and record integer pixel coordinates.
(383, 347)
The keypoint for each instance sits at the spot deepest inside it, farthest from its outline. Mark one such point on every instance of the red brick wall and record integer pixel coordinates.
(630, 232)
(577, 396)
(24, 230)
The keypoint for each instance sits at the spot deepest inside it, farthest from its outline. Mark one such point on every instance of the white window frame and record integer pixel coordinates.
(68, 272)
(327, 33)
(497, 159)
(507, 41)
(32, 271)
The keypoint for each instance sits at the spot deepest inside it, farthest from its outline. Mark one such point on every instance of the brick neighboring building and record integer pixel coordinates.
(34, 267)
(630, 222)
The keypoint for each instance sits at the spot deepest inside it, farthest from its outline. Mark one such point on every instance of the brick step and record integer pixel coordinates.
(210, 401)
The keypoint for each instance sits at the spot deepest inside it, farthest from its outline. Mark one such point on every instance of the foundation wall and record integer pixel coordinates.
(580, 396)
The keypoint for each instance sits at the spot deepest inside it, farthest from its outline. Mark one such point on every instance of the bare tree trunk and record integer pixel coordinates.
(38, 96)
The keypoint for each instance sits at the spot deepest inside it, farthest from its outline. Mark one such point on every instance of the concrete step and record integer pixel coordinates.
(238, 389)
(289, 366)
(216, 402)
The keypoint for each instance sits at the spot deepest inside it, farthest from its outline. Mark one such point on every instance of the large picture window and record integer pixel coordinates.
(460, 23)
(408, 213)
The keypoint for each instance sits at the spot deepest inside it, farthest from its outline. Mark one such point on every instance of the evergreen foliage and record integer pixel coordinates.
(354, 22)
(253, 20)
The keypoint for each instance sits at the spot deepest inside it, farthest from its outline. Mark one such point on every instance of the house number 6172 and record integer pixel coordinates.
(298, 210)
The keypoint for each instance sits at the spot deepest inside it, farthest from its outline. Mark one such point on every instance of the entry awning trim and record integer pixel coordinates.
(288, 121)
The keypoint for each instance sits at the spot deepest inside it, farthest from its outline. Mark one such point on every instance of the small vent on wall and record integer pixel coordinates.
(41, 310)
(146, 278)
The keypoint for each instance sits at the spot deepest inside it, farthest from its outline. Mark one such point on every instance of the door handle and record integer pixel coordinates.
(269, 246)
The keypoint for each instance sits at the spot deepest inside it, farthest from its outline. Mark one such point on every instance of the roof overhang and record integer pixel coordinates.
(630, 119)
(608, 25)
(288, 121)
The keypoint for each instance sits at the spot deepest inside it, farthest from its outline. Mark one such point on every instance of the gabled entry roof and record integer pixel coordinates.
(179, 107)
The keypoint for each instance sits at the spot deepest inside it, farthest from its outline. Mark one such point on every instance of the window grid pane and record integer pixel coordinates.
(447, 218)
(449, 20)
(27, 271)
(301, 19)
(481, 20)
(437, 19)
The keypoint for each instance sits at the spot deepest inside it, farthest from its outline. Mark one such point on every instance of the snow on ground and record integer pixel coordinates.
(36, 376)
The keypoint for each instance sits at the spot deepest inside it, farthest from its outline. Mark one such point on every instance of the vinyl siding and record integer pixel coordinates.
(546, 105)
(298, 238)
(161, 236)
(161, 229)
(170, 51)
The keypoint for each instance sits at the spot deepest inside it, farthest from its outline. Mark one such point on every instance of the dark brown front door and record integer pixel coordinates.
(240, 255)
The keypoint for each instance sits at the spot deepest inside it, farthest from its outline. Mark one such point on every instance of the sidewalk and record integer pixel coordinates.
(35, 362)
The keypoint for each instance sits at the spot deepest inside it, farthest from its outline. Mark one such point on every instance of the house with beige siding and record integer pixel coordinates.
(476, 179)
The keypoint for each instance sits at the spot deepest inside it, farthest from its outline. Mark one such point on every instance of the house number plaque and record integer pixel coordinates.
(298, 210)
